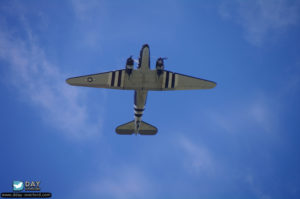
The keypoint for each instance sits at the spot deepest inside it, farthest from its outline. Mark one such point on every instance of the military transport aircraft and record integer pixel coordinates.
(141, 80)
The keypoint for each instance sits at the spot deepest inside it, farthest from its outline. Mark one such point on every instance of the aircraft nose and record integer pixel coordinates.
(145, 45)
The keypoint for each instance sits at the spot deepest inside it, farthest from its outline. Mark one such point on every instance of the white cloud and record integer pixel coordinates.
(90, 16)
(261, 19)
(254, 187)
(259, 114)
(42, 83)
(198, 159)
(123, 182)
(85, 10)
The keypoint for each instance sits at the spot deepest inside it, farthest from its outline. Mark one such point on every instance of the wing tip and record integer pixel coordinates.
(214, 84)
(69, 81)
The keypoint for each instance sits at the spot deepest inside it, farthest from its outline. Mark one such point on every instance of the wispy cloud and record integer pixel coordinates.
(43, 84)
(198, 159)
(90, 15)
(86, 11)
(261, 19)
(260, 113)
(255, 187)
(122, 182)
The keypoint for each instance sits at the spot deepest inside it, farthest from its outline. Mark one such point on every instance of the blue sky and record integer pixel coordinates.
(238, 140)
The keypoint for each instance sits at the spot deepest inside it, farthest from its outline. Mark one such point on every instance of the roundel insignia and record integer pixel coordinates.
(90, 79)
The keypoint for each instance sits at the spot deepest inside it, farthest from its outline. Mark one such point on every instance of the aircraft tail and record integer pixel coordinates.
(129, 128)
(147, 129)
(126, 129)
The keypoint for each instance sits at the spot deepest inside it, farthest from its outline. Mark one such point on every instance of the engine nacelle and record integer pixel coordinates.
(160, 65)
(129, 65)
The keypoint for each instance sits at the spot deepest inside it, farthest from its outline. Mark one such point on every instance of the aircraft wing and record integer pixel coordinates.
(111, 79)
(119, 79)
(176, 81)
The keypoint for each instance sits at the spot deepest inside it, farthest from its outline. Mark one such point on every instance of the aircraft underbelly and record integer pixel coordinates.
(140, 80)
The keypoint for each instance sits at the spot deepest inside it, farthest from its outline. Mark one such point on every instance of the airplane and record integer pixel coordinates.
(141, 80)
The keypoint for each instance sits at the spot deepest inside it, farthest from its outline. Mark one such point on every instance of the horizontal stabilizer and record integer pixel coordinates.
(147, 129)
(129, 128)
(126, 129)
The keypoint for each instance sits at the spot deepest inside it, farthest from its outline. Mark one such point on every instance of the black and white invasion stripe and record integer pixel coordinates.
(116, 78)
(169, 80)
(138, 112)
